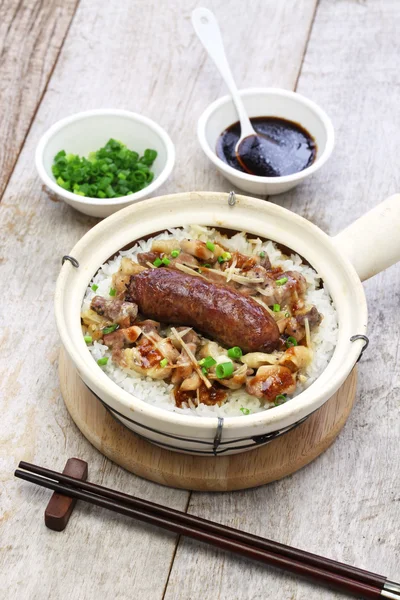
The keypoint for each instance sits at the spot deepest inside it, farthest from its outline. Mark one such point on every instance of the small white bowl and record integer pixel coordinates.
(261, 102)
(88, 131)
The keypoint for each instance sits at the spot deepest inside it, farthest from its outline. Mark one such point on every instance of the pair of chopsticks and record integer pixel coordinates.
(311, 566)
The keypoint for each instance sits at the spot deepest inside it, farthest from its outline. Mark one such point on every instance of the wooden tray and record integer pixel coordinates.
(275, 460)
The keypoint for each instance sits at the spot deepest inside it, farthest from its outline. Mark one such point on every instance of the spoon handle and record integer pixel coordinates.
(206, 26)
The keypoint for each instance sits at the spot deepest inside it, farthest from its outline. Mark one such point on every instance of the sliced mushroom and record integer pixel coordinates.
(254, 360)
(296, 358)
(191, 383)
(165, 246)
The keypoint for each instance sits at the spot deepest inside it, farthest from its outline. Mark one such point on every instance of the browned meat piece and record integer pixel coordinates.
(270, 381)
(148, 325)
(147, 257)
(221, 312)
(313, 316)
(117, 311)
(199, 249)
(190, 337)
(117, 339)
(290, 291)
(211, 396)
(265, 262)
(184, 259)
(294, 329)
(243, 262)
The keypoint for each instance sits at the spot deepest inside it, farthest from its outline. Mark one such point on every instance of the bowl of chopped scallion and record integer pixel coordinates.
(100, 161)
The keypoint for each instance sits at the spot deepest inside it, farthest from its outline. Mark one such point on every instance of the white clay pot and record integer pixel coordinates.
(343, 262)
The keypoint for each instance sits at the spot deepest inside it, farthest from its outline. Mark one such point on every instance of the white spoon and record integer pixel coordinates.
(255, 152)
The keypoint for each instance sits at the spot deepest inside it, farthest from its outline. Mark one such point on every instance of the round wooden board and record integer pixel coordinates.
(271, 462)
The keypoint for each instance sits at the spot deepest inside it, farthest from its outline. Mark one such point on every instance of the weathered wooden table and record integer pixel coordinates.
(62, 56)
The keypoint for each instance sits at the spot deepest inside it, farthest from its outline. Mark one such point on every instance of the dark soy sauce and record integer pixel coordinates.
(283, 147)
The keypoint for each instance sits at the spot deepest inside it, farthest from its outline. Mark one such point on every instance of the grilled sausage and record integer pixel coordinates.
(218, 311)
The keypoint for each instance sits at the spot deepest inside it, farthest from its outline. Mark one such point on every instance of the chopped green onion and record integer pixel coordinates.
(207, 266)
(88, 339)
(204, 370)
(291, 341)
(280, 399)
(262, 254)
(235, 352)
(163, 362)
(207, 362)
(95, 287)
(224, 370)
(165, 261)
(175, 253)
(158, 262)
(276, 308)
(112, 291)
(225, 256)
(111, 328)
(281, 281)
(245, 411)
(210, 246)
(287, 315)
(102, 361)
(113, 171)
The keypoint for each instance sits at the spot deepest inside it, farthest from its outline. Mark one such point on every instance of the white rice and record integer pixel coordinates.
(160, 393)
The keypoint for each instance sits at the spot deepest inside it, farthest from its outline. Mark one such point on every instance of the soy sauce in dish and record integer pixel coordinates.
(287, 147)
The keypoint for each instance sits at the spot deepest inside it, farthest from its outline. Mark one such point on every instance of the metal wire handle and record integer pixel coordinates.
(361, 337)
(71, 259)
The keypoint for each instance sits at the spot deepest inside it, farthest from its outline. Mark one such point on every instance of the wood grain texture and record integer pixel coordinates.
(275, 460)
(31, 35)
(141, 56)
(345, 505)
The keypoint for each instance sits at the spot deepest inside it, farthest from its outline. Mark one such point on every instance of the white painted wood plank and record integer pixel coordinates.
(346, 505)
(138, 56)
(31, 35)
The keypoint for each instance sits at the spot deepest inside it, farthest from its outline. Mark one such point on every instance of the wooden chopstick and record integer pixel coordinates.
(167, 522)
(314, 560)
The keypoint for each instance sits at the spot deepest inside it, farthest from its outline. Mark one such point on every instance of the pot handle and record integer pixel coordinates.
(372, 243)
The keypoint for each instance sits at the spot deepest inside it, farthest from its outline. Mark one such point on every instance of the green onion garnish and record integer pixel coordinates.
(224, 370)
(207, 362)
(111, 328)
(245, 411)
(207, 266)
(88, 339)
(163, 362)
(111, 172)
(287, 315)
(158, 262)
(112, 291)
(224, 257)
(95, 287)
(281, 281)
(280, 399)
(291, 341)
(175, 253)
(235, 352)
(204, 370)
(102, 361)
(262, 254)
(165, 261)
(210, 246)
(276, 308)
